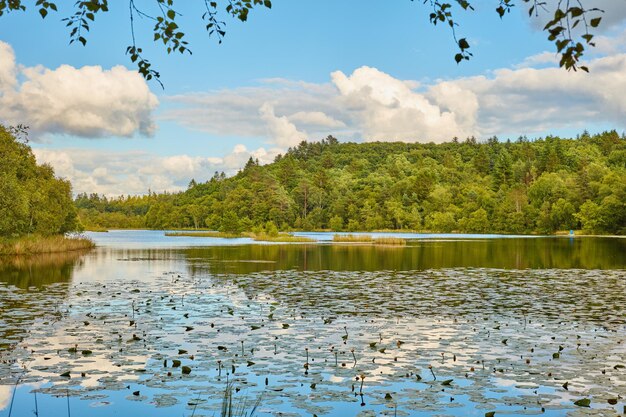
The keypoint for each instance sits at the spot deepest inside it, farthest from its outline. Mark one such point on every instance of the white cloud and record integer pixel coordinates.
(389, 109)
(253, 111)
(610, 44)
(541, 59)
(316, 118)
(135, 172)
(532, 100)
(8, 71)
(281, 131)
(89, 101)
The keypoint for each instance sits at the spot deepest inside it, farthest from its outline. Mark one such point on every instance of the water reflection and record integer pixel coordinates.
(39, 270)
(539, 253)
(29, 286)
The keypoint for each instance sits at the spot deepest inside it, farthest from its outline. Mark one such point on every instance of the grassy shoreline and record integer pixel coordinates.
(31, 245)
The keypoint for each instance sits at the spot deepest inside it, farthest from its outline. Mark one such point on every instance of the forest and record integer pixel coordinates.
(32, 200)
(545, 185)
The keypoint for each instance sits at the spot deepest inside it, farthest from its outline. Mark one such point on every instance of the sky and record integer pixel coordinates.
(359, 70)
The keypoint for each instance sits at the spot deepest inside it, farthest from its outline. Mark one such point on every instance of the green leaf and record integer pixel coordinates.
(595, 22)
(43, 13)
(171, 14)
(463, 44)
(576, 11)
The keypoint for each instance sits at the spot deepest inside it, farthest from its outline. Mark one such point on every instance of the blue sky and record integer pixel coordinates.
(356, 69)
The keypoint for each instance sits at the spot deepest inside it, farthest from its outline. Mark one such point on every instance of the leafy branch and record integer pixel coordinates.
(567, 16)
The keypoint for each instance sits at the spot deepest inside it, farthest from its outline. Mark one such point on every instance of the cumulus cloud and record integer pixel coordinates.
(533, 100)
(316, 118)
(8, 73)
(280, 129)
(89, 101)
(389, 109)
(135, 172)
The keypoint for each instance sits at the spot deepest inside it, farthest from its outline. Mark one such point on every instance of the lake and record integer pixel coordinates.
(446, 325)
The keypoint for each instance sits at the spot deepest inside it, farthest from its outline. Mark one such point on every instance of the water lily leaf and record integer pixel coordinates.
(585, 402)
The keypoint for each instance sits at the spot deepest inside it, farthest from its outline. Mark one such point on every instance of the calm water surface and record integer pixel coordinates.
(448, 325)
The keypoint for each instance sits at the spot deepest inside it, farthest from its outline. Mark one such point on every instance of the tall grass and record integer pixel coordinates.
(353, 238)
(281, 237)
(369, 239)
(240, 409)
(44, 244)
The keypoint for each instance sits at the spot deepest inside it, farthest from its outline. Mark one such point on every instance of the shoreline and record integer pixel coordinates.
(214, 233)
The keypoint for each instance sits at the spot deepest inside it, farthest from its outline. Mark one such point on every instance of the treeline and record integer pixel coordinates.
(32, 200)
(539, 186)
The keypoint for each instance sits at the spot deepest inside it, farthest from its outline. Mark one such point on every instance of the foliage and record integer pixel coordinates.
(511, 187)
(561, 29)
(32, 199)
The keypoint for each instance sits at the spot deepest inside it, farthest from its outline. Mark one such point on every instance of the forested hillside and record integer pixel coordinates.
(524, 186)
(32, 200)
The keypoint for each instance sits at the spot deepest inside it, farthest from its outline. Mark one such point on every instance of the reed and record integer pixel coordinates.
(281, 237)
(44, 244)
(353, 238)
(390, 241)
(369, 239)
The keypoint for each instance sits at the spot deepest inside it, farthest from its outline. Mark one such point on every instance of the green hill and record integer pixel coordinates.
(539, 186)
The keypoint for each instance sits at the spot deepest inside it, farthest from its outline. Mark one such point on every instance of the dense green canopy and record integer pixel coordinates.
(32, 199)
(513, 187)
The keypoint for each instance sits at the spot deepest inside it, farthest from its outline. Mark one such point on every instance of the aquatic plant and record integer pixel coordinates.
(350, 238)
(240, 409)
